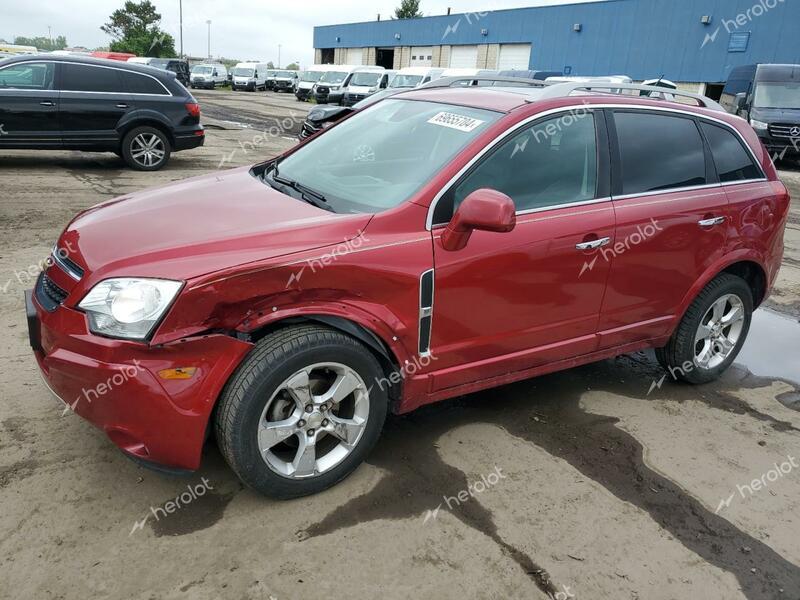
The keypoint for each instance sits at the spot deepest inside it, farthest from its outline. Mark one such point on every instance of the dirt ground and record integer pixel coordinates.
(593, 483)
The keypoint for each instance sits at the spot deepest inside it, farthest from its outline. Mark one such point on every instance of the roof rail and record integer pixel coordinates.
(561, 90)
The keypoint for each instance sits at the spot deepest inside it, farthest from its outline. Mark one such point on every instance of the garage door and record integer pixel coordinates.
(514, 56)
(354, 56)
(463, 57)
(421, 56)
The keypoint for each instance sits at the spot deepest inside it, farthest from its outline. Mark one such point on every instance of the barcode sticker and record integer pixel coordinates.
(455, 121)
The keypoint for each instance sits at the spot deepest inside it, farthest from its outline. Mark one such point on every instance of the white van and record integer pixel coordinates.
(412, 77)
(308, 78)
(208, 76)
(331, 82)
(249, 76)
(363, 82)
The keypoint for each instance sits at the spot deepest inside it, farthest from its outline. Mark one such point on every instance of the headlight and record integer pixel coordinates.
(128, 308)
(758, 125)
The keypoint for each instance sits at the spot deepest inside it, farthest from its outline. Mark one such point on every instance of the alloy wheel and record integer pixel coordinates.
(147, 149)
(313, 420)
(719, 331)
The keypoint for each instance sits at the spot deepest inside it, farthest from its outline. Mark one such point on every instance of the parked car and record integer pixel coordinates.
(331, 81)
(249, 76)
(768, 96)
(363, 83)
(412, 77)
(175, 65)
(284, 81)
(286, 308)
(530, 74)
(325, 115)
(76, 103)
(209, 76)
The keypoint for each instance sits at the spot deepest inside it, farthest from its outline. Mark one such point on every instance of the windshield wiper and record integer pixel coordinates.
(313, 197)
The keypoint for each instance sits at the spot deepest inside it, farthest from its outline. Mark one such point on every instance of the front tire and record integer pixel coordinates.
(301, 412)
(146, 148)
(711, 333)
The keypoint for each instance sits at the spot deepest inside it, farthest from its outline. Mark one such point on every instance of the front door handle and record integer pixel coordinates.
(711, 222)
(122, 106)
(594, 244)
(47, 103)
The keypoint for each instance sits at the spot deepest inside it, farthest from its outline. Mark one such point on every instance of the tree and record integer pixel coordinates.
(408, 9)
(293, 67)
(42, 43)
(135, 28)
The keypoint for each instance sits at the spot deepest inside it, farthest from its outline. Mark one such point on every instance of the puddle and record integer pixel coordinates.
(772, 348)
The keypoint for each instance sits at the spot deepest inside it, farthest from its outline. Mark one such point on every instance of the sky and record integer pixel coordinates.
(243, 29)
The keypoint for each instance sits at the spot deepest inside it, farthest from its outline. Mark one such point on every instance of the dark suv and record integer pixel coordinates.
(69, 103)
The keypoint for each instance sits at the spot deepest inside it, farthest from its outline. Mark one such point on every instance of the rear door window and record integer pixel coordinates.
(27, 76)
(659, 152)
(733, 162)
(88, 78)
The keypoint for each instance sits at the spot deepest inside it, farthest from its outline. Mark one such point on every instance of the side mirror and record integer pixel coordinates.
(482, 210)
(740, 100)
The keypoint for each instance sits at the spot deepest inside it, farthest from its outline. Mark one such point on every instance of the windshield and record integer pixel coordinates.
(366, 79)
(271, 74)
(202, 70)
(333, 77)
(381, 156)
(240, 72)
(777, 95)
(405, 81)
(312, 76)
(159, 64)
(284, 74)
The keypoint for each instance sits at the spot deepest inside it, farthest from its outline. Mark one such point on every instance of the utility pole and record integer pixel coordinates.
(50, 35)
(209, 37)
(180, 13)
(279, 56)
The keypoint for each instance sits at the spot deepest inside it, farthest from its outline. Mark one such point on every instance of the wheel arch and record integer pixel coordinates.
(145, 121)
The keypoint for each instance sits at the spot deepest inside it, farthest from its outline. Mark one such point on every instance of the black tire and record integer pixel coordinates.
(128, 149)
(678, 356)
(274, 359)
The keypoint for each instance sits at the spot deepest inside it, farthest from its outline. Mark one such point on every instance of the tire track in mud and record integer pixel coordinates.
(593, 444)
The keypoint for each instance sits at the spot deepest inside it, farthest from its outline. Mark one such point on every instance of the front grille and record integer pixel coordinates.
(323, 90)
(49, 295)
(785, 130)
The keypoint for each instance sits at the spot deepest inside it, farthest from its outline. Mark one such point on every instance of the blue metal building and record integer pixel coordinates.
(697, 41)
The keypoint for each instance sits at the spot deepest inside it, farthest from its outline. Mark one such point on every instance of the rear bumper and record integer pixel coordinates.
(189, 140)
(115, 384)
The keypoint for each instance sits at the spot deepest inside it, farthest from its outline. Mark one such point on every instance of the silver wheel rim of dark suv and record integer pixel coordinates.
(147, 149)
(313, 420)
(719, 331)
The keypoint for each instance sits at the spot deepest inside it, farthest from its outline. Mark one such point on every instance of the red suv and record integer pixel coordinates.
(437, 243)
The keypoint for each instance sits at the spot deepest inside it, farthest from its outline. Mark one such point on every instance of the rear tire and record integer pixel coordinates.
(711, 332)
(146, 148)
(301, 412)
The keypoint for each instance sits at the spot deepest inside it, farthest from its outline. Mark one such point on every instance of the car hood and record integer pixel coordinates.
(776, 115)
(200, 226)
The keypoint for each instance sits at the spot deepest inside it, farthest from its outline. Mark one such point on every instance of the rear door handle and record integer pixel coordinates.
(593, 245)
(47, 103)
(711, 222)
(122, 106)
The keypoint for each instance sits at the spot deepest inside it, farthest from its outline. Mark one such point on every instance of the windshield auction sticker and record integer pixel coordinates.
(454, 121)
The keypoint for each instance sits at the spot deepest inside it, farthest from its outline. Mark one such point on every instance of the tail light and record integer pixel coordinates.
(193, 108)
